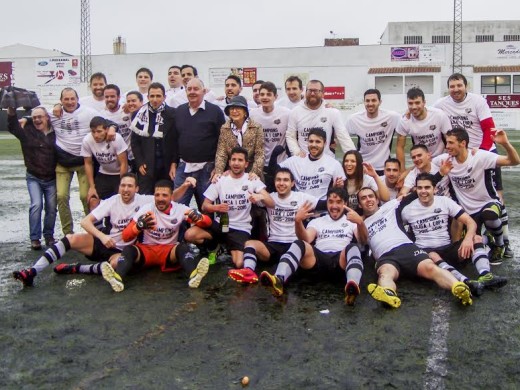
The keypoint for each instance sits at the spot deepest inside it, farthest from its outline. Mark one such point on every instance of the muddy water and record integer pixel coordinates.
(74, 332)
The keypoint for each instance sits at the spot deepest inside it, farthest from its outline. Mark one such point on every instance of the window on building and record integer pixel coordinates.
(516, 83)
(389, 85)
(412, 39)
(484, 38)
(441, 39)
(515, 37)
(423, 82)
(495, 84)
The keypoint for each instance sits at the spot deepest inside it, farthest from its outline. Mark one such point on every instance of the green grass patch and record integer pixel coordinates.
(10, 148)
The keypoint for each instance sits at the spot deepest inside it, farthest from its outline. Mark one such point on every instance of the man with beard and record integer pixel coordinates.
(391, 175)
(375, 128)
(426, 125)
(151, 124)
(471, 176)
(94, 244)
(313, 114)
(281, 227)
(97, 84)
(158, 225)
(396, 255)
(315, 172)
(429, 218)
(333, 252)
(237, 193)
(114, 112)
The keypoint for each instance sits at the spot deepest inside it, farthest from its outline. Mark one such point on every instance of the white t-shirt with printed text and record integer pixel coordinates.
(375, 135)
(429, 131)
(235, 192)
(431, 224)
(332, 235)
(471, 180)
(120, 214)
(274, 124)
(105, 153)
(314, 176)
(281, 216)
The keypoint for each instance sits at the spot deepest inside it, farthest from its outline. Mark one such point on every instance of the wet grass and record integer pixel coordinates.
(74, 332)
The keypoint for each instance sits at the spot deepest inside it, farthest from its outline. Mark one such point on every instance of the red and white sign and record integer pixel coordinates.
(6, 74)
(334, 93)
(503, 101)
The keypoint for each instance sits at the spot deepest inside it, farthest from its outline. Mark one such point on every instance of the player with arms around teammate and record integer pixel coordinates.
(159, 223)
(95, 245)
(334, 253)
(281, 227)
(396, 255)
(471, 177)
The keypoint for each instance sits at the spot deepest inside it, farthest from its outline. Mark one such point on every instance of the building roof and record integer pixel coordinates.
(405, 69)
(24, 51)
(496, 69)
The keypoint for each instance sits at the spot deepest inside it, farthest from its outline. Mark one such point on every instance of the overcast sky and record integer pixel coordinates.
(169, 25)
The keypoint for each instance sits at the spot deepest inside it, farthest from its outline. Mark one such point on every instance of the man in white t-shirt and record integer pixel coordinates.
(174, 81)
(281, 227)
(426, 126)
(98, 81)
(115, 113)
(471, 112)
(333, 252)
(157, 224)
(273, 119)
(422, 161)
(95, 244)
(312, 114)
(375, 129)
(188, 72)
(256, 91)
(294, 92)
(237, 193)
(232, 88)
(396, 255)
(111, 157)
(71, 126)
(317, 171)
(472, 179)
(390, 177)
(429, 219)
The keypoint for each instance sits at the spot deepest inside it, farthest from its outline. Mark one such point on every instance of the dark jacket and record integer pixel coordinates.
(195, 137)
(38, 149)
(144, 147)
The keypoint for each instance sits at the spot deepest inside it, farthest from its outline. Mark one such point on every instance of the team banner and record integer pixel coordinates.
(54, 74)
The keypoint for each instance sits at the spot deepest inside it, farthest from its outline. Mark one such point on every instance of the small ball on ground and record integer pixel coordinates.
(245, 381)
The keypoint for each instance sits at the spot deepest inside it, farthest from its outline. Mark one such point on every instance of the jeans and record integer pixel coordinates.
(40, 191)
(63, 179)
(202, 176)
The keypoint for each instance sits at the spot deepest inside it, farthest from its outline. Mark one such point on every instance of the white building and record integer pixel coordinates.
(492, 67)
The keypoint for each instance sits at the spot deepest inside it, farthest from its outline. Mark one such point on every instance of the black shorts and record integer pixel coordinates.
(101, 252)
(496, 176)
(449, 253)
(327, 262)
(276, 249)
(234, 240)
(107, 185)
(405, 258)
(477, 217)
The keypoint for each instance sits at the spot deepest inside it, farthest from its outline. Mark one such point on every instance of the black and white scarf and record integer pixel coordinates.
(141, 121)
(239, 133)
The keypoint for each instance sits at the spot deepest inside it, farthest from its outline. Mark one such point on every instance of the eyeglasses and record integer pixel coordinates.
(314, 91)
(37, 116)
(235, 108)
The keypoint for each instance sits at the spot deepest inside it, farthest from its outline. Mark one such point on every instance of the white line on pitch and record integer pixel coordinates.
(436, 368)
